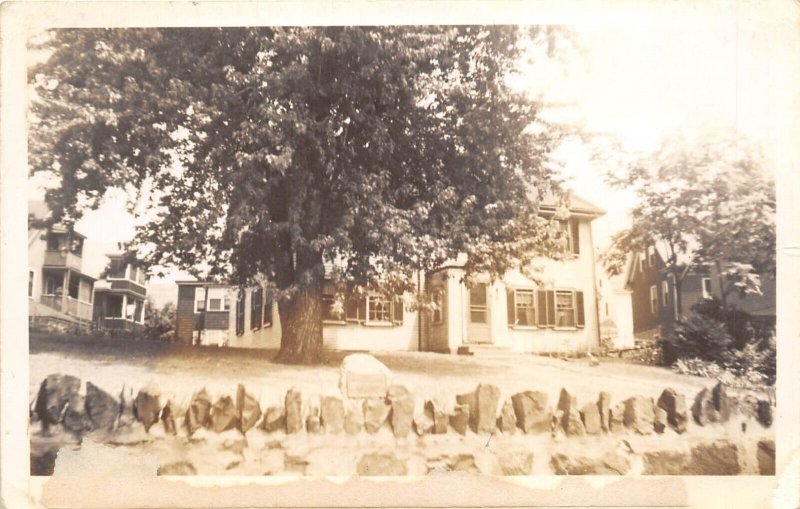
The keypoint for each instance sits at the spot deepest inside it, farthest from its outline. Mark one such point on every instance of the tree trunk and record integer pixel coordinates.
(301, 327)
(678, 296)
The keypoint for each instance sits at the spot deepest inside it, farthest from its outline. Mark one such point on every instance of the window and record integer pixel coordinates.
(76, 246)
(521, 307)
(477, 303)
(114, 306)
(706, 282)
(256, 308)
(379, 309)
(116, 269)
(140, 278)
(218, 299)
(52, 241)
(664, 293)
(571, 230)
(267, 311)
(437, 311)
(355, 309)
(641, 261)
(653, 299)
(239, 313)
(565, 309)
(651, 256)
(199, 299)
(330, 308)
(30, 283)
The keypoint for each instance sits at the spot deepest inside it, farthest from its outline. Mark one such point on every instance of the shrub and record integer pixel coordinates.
(697, 337)
(743, 327)
(159, 323)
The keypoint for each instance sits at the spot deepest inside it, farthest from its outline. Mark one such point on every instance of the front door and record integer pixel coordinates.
(478, 315)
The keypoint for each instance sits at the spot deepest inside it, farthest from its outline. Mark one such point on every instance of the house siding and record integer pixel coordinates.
(643, 317)
(184, 315)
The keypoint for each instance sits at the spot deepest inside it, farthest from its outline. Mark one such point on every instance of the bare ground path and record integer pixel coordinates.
(179, 370)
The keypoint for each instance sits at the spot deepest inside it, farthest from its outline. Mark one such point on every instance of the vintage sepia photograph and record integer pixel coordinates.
(401, 250)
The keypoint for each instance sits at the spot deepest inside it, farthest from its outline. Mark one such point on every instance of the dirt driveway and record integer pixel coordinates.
(179, 370)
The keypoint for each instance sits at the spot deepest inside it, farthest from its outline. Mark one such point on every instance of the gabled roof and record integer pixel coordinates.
(38, 209)
(577, 205)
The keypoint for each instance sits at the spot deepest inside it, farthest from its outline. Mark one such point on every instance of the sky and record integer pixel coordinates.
(632, 83)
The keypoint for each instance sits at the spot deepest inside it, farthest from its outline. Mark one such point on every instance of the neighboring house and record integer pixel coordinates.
(654, 293)
(59, 292)
(120, 297)
(513, 314)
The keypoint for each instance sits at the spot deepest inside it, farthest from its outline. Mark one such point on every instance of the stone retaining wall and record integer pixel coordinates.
(385, 431)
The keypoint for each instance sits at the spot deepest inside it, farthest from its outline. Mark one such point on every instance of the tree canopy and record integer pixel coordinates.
(703, 202)
(271, 152)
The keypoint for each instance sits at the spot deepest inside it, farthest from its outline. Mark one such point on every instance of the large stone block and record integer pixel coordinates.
(482, 404)
(766, 457)
(611, 463)
(604, 408)
(55, 393)
(381, 464)
(591, 419)
(616, 420)
(515, 462)
(764, 413)
(507, 421)
(572, 424)
(274, 419)
(223, 415)
(199, 412)
(146, 407)
(440, 418)
(712, 406)
(402, 410)
(721, 457)
(293, 403)
(168, 419)
(376, 411)
(666, 462)
(639, 414)
(532, 412)
(332, 413)
(459, 419)
(674, 405)
(101, 407)
(567, 405)
(363, 376)
(248, 411)
(659, 420)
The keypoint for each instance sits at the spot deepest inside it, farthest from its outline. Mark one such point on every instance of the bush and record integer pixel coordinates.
(159, 323)
(697, 337)
(743, 327)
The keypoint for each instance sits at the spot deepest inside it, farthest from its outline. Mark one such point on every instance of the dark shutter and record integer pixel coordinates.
(240, 313)
(397, 311)
(579, 308)
(576, 237)
(541, 308)
(268, 311)
(362, 309)
(551, 308)
(511, 305)
(351, 309)
(256, 309)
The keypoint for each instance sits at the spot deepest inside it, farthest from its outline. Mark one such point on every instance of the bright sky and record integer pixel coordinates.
(634, 83)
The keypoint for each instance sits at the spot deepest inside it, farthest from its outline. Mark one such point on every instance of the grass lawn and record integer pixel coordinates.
(179, 370)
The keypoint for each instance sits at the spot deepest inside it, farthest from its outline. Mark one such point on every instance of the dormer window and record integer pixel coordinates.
(52, 241)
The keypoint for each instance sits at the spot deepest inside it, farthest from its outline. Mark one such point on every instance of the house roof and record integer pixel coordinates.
(577, 205)
(38, 209)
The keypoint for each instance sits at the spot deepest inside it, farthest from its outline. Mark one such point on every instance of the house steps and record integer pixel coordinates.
(487, 351)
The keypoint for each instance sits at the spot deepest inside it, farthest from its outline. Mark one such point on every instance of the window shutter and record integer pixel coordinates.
(576, 237)
(397, 311)
(541, 308)
(551, 308)
(579, 306)
(240, 313)
(511, 305)
(268, 311)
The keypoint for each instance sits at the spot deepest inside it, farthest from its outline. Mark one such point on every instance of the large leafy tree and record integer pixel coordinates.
(707, 202)
(266, 153)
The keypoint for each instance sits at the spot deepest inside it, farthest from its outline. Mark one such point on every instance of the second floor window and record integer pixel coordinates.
(571, 230)
(653, 299)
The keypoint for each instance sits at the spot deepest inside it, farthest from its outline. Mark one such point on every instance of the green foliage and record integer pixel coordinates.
(159, 324)
(744, 328)
(697, 337)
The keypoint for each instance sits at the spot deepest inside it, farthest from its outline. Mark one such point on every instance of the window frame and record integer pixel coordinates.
(203, 300)
(641, 261)
(387, 310)
(707, 294)
(534, 308)
(256, 311)
(651, 256)
(664, 293)
(266, 310)
(220, 294)
(240, 313)
(653, 299)
(573, 308)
